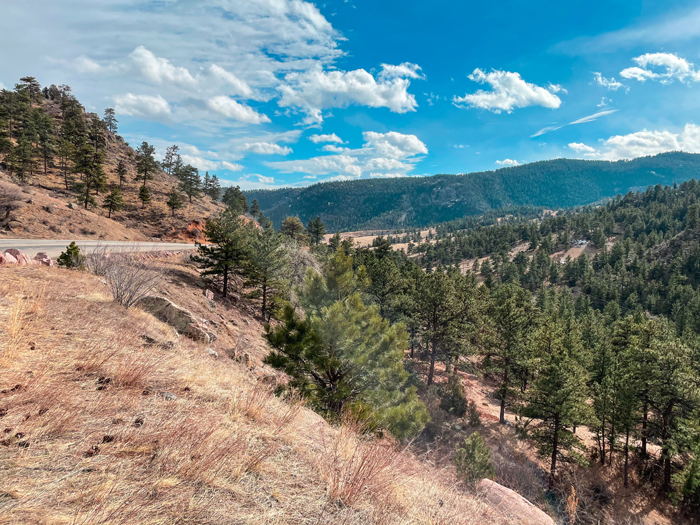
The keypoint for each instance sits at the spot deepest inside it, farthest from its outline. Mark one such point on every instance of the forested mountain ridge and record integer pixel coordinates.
(419, 201)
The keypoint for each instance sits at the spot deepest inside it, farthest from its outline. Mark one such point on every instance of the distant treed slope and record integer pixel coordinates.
(404, 202)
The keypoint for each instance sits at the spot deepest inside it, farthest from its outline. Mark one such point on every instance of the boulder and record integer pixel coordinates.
(512, 505)
(21, 259)
(2, 259)
(9, 259)
(43, 259)
(168, 312)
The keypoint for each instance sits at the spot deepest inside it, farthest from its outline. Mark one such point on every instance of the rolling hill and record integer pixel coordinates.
(418, 201)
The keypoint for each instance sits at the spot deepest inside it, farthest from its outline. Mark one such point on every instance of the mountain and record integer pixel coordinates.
(418, 201)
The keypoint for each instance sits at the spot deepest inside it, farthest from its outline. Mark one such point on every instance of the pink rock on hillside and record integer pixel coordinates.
(43, 259)
(512, 505)
(21, 259)
(9, 258)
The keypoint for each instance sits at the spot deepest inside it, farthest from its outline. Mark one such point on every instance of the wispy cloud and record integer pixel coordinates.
(582, 120)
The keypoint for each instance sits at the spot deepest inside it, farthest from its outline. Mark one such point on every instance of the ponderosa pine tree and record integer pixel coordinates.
(226, 251)
(144, 195)
(190, 181)
(171, 159)
(214, 188)
(110, 120)
(316, 230)
(507, 354)
(255, 209)
(293, 227)
(174, 201)
(558, 396)
(145, 163)
(121, 173)
(265, 267)
(114, 201)
(235, 199)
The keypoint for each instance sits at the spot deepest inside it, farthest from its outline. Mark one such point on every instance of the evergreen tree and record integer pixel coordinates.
(214, 188)
(145, 163)
(121, 173)
(174, 201)
(110, 120)
(473, 460)
(227, 249)
(113, 201)
(171, 159)
(144, 195)
(558, 396)
(235, 199)
(316, 230)
(72, 257)
(293, 227)
(386, 282)
(255, 209)
(190, 182)
(265, 268)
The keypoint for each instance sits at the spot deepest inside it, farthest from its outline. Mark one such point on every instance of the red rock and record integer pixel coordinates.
(512, 505)
(21, 259)
(43, 258)
(9, 259)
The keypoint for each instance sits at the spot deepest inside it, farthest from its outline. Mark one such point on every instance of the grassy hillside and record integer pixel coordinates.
(408, 202)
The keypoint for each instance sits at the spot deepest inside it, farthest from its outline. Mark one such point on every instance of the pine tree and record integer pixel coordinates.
(46, 137)
(215, 188)
(386, 282)
(507, 355)
(121, 173)
(293, 227)
(174, 201)
(316, 230)
(473, 459)
(255, 209)
(144, 196)
(65, 153)
(190, 182)
(558, 396)
(171, 160)
(265, 268)
(72, 257)
(226, 251)
(113, 201)
(206, 183)
(110, 120)
(145, 163)
(235, 199)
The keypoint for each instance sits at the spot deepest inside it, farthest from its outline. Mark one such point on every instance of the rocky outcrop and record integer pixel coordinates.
(19, 257)
(9, 259)
(168, 312)
(512, 505)
(43, 259)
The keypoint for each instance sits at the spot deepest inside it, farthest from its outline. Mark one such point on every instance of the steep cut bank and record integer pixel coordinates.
(419, 201)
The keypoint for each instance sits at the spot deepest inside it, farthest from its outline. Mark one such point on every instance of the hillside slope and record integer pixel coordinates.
(112, 418)
(418, 201)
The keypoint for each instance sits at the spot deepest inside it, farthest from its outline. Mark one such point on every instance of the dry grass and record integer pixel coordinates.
(107, 429)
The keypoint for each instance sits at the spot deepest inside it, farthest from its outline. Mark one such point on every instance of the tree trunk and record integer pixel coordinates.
(504, 393)
(645, 418)
(225, 290)
(627, 455)
(264, 298)
(555, 450)
(109, 213)
(665, 452)
(431, 371)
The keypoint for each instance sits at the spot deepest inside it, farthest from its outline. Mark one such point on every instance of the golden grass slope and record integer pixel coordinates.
(101, 426)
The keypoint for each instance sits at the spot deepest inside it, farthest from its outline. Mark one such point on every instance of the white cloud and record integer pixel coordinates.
(644, 143)
(314, 90)
(507, 162)
(672, 68)
(231, 109)
(460, 146)
(579, 147)
(374, 175)
(405, 70)
(200, 162)
(266, 148)
(231, 166)
(240, 87)
(159, 70)
(382, 153)
(508, 91)
(144, 106)
(335, 149)
(604, 102)
(556, 88)
(609, 83)
(591, 118)
(326, 138)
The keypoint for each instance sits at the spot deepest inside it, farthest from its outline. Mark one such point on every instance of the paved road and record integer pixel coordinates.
(54, 248)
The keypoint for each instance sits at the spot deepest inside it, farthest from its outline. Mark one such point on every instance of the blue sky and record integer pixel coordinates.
(270, 93)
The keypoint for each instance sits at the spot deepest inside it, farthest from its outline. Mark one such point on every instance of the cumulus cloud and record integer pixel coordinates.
(609, 83)
(266, 148)
(508, 91)
(144, 106)
(662, 67)
(381, 153)
(231, 166)
(332, 137)
(579, 147)
(314, 90)
(159, 70)
(643, 143)
(239, 87)
(200, 162)
(231, 109)
(507, 162)
(335, 149)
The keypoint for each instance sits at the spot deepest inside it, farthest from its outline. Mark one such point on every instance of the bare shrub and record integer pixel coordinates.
(129, 279)
(97, 260)
(11, 199)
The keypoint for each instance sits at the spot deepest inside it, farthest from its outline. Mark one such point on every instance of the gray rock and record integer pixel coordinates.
(71, 206)
(168, 312)
(512, 505)
(169, 396)
(212, 336)
(212, 352)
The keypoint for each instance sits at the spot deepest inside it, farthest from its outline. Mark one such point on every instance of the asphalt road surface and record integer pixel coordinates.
(53, 248)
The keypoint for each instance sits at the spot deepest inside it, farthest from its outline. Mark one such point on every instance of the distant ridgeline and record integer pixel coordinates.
(419, 201)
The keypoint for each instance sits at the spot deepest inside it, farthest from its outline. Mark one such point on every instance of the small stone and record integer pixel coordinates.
(94, 450)
(107, 438)
(23, 444)
(212, 352)
(169, 396)
(71, 206)
(138, 422)
(458, 427)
